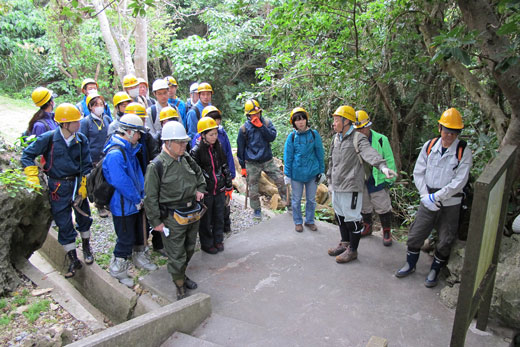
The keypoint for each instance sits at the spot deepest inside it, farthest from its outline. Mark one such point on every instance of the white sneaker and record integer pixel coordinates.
(142, 260)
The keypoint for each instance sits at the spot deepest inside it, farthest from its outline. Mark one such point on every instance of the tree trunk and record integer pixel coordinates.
(141, 47)
(394, 137)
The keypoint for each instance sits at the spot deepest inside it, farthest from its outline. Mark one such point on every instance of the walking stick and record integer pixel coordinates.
(247, 194)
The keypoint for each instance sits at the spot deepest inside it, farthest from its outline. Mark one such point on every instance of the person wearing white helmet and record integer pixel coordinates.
(160, 89)
(174, 188)
(121, 170)
(194, 96)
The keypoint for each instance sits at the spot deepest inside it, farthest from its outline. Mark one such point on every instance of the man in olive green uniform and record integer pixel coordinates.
(174, 183)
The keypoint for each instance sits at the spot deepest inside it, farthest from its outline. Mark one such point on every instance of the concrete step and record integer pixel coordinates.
(184, 340)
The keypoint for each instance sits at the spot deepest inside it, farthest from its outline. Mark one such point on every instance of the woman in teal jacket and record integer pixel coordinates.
(304, 167)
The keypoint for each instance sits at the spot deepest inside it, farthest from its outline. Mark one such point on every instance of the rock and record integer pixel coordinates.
(449, 296)
(326, 213)
(21, 309)
(322, 194)
(51, 337)
(275, 200)
(38, 292)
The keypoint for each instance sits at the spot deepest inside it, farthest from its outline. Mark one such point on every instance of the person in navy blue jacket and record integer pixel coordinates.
(255, 155)
(223, 139)
(124, 173)
(303, 167)
(67, 163)
(43, 120)
(95, 126)
(174, 100)
(90, 86)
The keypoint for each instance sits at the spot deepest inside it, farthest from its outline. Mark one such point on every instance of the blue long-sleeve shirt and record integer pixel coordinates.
(181, 108)
(254, 143)
(192, 119)
(303, 155)
(44, 124)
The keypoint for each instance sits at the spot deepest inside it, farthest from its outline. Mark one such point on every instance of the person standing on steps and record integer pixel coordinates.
(67, 164)
(255, 155)
(348, 151)
(375, 192)
(175, 187)
(303, 167)
(440, 174)
(43, 120)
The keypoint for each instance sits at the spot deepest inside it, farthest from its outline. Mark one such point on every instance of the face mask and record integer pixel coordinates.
(92, 91)
(98, 110)
(133, 93)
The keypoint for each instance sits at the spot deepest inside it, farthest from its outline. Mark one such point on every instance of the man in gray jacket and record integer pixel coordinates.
(346, 177)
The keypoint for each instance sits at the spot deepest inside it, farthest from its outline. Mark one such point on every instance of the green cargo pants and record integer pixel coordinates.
(254, 171)
(179, 246)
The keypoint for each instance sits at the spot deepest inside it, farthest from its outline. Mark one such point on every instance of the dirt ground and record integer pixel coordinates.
(14, 117)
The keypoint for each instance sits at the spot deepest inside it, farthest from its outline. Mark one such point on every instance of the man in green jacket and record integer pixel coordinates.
(375, 194)
(174, 186)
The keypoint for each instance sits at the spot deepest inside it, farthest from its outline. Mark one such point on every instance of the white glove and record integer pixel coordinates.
(139, 206)
(428, 200)
(388, 173)
(286, 180)
(320, 178)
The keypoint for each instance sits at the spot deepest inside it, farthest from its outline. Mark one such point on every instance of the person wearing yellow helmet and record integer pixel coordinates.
(209, 155)
(348, 151)
(67, 164)
(205, 93)
(255, 155)
(121, 100)
(43, 119)
(375, 193)
(131, 86)
(90, 86)
(174, 100)
(304, 167)
(440, 174)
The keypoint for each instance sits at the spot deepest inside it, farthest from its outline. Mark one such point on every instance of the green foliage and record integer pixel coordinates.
(5, 319)
(14, 180)
(35, 309)
(3, 304)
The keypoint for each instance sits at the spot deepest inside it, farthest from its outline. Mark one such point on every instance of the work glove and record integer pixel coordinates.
(139, 206)
(320, 178)
(32, 176)
(255, 120)
(243, 173)
(429, 201)
(82, 191)
(229, 195)
(388, 173)
(286, 180)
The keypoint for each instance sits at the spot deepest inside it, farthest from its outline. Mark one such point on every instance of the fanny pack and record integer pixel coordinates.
(188, 215)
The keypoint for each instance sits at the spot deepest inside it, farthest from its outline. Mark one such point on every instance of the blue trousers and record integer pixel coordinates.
(310, 198)
(129, 231)
(61, 194)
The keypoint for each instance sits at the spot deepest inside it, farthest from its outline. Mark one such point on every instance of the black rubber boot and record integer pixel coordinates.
(412, 256)
(190, 284)
(386, 223)
(432, 278)
(87, 252)
(74, 265)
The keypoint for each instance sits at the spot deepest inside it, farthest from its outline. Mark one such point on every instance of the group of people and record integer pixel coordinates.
(172, 167)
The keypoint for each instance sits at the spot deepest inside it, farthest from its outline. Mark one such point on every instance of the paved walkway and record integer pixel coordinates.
(273, 286)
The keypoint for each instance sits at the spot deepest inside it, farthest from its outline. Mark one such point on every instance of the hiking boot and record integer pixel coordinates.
(340, 248)
(74, 264)
(118, 269)
(367, 229)
(219, 247)
(409, 266)
(257, 214)
(87, 252)
(141, 260)
(103, 212)
(188, 283)
(298, 228)
(312, 226)
(181, 289)
(210, 250)
(346, 256)
(387, 237)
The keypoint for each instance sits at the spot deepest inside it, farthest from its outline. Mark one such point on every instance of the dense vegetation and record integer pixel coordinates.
(403, 61)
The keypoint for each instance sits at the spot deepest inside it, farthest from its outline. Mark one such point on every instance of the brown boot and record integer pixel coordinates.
(298, 228)
(346, 256)
(340, 248)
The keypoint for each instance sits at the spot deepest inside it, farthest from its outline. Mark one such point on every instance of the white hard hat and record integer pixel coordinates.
(516, 225)
(159, 84)
(131, 122)
(193, 87)
(174, 131)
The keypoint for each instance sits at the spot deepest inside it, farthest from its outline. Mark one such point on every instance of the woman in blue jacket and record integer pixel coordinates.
(304, 167)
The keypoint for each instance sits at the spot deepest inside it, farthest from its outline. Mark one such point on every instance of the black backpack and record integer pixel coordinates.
(99, 190)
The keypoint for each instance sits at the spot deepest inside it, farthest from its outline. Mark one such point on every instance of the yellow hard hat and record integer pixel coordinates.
(142, 80)
(120, 97)
(362, 120)
(88, 81)
(170, 80)
(346, 112)
(208, 109)
(204, 87)
(137, 109)
(41, 96)
(93, 96)
(66, 113)
(130, 81)
(452, 119)
(298, 110)
(167, 113)
(206, 123)
(252, 107)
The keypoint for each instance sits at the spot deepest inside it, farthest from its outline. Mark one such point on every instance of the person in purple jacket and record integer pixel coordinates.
(43, 120)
